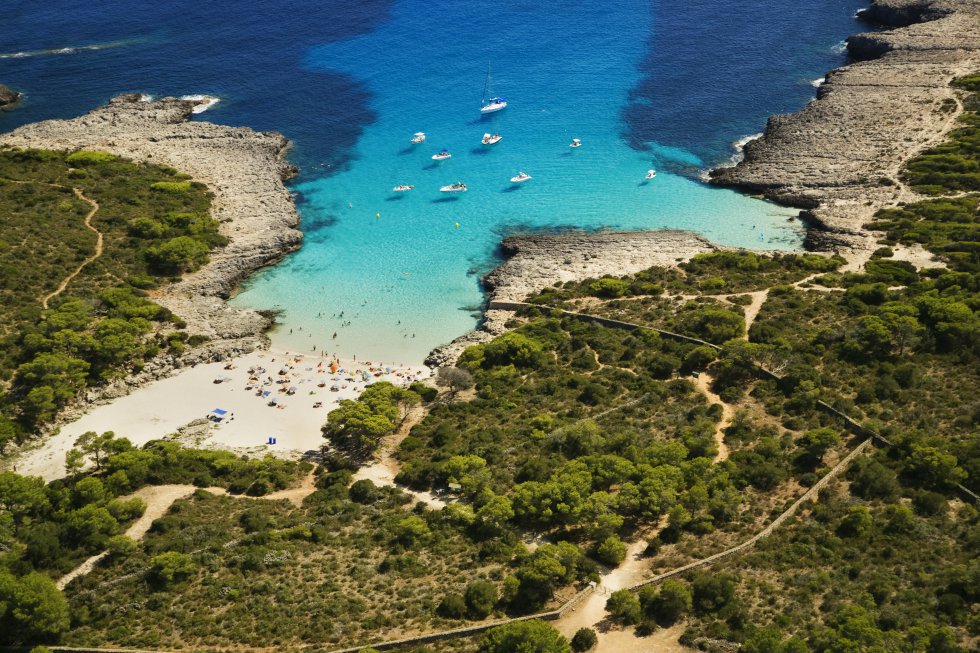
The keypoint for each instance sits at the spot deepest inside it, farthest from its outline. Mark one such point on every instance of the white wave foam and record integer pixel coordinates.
(205, 102)
(69, 50)
(739, 146)
(839, 48)
(145, 98)
(817, 83)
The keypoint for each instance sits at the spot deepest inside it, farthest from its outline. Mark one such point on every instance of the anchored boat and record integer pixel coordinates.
(441, 156)
(419, 137)
(494, 103)
(520, 178)
(490, 139)
(458, 187)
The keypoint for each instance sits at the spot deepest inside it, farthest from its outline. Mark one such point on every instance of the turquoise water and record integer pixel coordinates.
(643, 83)
(397, 265)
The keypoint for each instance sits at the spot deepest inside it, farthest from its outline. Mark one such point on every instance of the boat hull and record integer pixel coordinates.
(493, 108)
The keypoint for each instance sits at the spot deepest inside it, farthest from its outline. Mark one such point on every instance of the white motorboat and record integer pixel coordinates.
(458, 187)
(490, 139)
(520, 178)
(651, 174)
(441, 156)
(575, 143)
(419, 137)
(494, 103)
(402, 188)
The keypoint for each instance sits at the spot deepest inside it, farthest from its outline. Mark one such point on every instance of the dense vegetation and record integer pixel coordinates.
(46, 530)
(155, 226)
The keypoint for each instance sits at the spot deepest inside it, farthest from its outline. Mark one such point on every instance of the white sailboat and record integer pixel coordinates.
(494, 103)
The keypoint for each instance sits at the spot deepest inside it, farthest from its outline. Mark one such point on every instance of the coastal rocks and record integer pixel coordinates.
(840, 156)
(8, 98)
(537, 261)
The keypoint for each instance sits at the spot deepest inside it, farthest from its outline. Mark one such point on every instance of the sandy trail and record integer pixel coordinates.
(158, 500)
(592, 612)
(98, 249)
(703, 385)
(384, 467)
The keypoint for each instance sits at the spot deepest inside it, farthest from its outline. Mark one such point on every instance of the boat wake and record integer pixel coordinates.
(70, 50)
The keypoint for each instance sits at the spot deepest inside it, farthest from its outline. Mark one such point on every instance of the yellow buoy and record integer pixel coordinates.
(457, 225)
(377, 216)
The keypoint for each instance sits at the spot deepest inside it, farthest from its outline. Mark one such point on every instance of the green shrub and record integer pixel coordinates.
(89, 157)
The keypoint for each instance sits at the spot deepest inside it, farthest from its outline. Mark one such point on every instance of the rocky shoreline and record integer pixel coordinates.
(8, 98)
(243, 169)
(536, 261)
(839, 157)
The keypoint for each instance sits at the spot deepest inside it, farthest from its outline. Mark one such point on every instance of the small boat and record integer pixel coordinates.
(490, 139)
(494, 103)
(402, 188)
(441, 156)
(520, 178)
(458, 187)
(418, 137)
(575, 143)
(651, 174)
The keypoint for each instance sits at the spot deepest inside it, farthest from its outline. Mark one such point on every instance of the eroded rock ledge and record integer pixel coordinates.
(244, 170)
(838, 156)
(537, 261)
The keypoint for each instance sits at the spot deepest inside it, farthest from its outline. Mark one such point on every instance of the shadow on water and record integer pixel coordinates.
(443, 200)
(480, 151)
(511, 189)
(406, 151)
(431, 166)
(394, 198)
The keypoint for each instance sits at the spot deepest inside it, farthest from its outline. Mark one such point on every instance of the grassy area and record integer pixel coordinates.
(155, 226)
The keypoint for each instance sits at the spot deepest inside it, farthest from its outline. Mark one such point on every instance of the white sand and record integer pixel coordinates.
(162, 407)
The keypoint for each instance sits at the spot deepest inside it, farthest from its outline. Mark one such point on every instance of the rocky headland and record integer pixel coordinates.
(536, 261)
(8, 98)
(839, 157)
(243, 169)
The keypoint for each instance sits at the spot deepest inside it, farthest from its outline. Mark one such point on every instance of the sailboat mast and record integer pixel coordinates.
(486, 86)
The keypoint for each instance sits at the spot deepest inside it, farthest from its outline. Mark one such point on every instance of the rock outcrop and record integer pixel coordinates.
(243, 169)
(8, 98)
(839, 157)
(536, 261)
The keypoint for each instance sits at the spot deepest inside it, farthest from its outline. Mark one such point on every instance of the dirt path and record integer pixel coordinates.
(752, 310)
(158, 500)
(383, 469)
(703, 385)
(98, 249)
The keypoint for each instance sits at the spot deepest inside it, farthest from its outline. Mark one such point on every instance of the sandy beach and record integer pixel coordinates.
(163, 407)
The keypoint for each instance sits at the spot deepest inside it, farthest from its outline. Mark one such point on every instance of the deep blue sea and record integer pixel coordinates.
(644, 84)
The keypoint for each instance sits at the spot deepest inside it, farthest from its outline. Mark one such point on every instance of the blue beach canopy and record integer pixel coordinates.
(218, 411)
